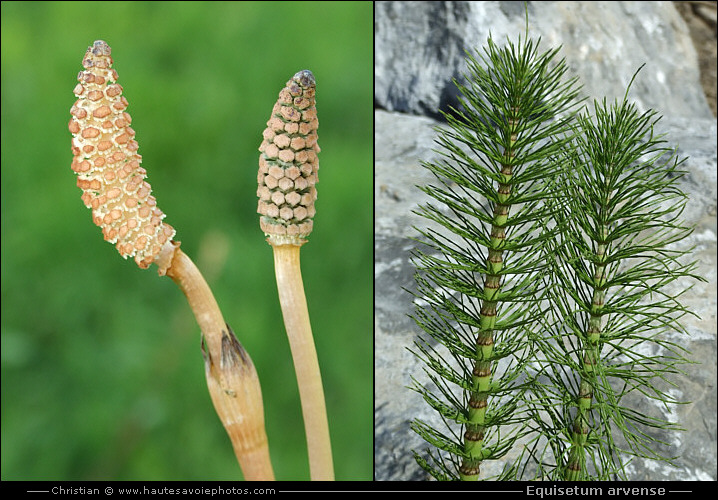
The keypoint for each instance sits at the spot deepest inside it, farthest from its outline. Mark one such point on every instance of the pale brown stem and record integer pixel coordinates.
(231, 377)
(306, 364)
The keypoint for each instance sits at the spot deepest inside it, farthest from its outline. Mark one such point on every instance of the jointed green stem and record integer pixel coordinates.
(576, 463)
(481, 376)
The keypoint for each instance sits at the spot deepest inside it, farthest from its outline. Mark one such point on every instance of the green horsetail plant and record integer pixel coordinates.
(478, 296)
(615, 326)
(287, 176)
(547, 289)
(114, 188)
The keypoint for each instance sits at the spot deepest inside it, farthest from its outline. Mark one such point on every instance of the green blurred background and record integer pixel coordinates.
(102, 374)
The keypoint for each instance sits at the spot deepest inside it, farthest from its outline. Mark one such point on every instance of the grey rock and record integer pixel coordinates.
(420, 47)
(402, 143)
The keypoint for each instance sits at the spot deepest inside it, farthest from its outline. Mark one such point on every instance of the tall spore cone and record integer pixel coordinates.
(288, 163)
(107, 164)
(114, 188)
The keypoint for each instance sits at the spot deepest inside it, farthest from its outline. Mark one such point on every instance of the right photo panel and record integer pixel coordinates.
(545, 242)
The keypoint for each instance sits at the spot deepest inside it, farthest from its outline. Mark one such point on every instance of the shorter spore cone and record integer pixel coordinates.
(288, 163)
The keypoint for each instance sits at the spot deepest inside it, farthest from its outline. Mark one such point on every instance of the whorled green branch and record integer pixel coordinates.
(615, 312)
(475, 273)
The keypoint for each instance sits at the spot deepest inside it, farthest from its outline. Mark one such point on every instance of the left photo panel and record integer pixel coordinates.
(187, 241)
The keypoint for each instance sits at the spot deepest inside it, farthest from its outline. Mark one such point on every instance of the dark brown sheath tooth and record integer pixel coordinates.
(288, 164)
(108, 166)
